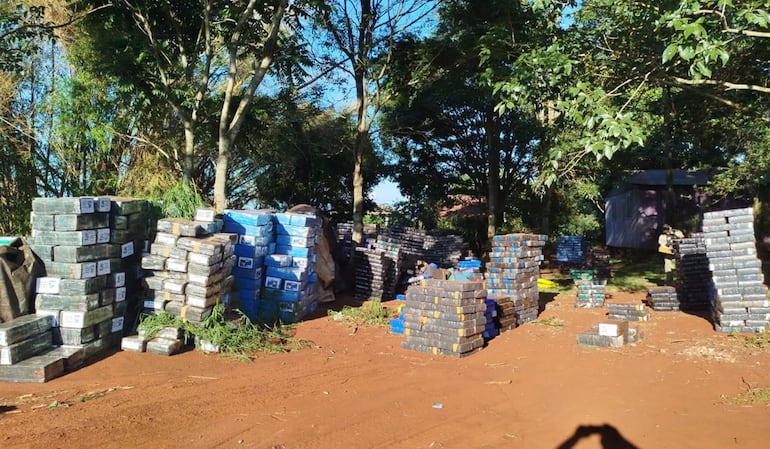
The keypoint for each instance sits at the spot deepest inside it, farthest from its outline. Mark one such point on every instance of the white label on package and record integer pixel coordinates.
(247, 240)
(292, 286)
(89, 270)
(89, 237)
(103, 235)
(609, 329)
(103, 267)
(204, 215)
(149, 304)
(271, 282)
(87, 205)
(72, 319)
(127, 249)
(47, 285)
(120, 279)
(103, 204)
(245, 262)
(117, 324)
(120, 294)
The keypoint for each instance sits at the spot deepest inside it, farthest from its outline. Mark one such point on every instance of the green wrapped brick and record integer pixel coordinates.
(172, 251)
(71, 238)
(82, 319)
(183, 227)
(67, 222)
(73, 336)
(36, 369)
(42, 222)
(25, 349)
(82, 286)
(44, 252)
(71, 205)
(188, 313)
(91, 253)
(73, 303)
(23, 327)
(208, 245)
(127, 206)
(84, 270)
(164, 346)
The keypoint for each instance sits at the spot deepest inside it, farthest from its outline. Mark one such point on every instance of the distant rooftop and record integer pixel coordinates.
(657, 177)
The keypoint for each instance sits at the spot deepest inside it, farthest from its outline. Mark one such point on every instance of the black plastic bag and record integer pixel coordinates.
(19, 270)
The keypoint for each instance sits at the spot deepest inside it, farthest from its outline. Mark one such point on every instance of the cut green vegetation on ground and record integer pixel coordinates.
(371, 313)
(237, 337)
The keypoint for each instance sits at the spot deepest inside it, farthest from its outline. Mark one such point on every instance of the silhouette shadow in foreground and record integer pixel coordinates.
(610, 437)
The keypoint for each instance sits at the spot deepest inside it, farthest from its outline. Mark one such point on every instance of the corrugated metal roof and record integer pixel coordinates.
(657, 177)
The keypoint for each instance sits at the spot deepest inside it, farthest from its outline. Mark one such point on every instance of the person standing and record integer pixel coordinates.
(666, 247)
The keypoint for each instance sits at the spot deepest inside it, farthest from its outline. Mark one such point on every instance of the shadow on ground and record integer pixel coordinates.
(610, 437)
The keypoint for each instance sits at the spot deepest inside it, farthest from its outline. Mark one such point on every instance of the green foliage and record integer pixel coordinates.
(753, 341)
(708, 34)
(22, 28)
(243, 338)
(370, 313)
(294, 152)
(181, 200)
(239, 338)
(150, 325)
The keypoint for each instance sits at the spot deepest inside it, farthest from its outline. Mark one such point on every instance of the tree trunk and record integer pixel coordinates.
(545, 220)
(358, 185)
(493, 176)
(220, 179)
(189, 150)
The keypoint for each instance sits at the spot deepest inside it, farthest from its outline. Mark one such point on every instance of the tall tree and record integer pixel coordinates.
(359, 36)
(443, 120)
(24, 30)
(192, 55)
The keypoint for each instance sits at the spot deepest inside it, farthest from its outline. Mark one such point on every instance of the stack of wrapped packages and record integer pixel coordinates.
(512, 273)
(290, 278)
(188, 273)
(256, 240)
(445, 317)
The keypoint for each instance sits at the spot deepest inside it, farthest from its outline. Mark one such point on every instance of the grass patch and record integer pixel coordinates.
(753, 341)
(371, 314)
(237, 336)
(752, 396)
(636, 274)
(552, 321)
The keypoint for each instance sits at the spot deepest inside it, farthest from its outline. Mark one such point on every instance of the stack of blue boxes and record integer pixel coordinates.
(491, 329)
(256, 240)
(290, 278)
(572, 249)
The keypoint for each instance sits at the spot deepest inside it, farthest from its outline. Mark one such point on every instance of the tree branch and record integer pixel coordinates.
(723, 84)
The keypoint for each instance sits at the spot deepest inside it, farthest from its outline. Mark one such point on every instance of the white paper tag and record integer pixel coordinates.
(47, 285)
(120, 279)
(103, 235)
(89, 237)
(103, 204)
(86, 205)
(117, 324)
(89, 270)
(127, 249)
(103, 267)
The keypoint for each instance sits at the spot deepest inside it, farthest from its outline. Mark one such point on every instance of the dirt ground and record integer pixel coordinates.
(531, 387)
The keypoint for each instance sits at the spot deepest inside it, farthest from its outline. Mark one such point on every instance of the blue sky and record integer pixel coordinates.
(386, 192)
